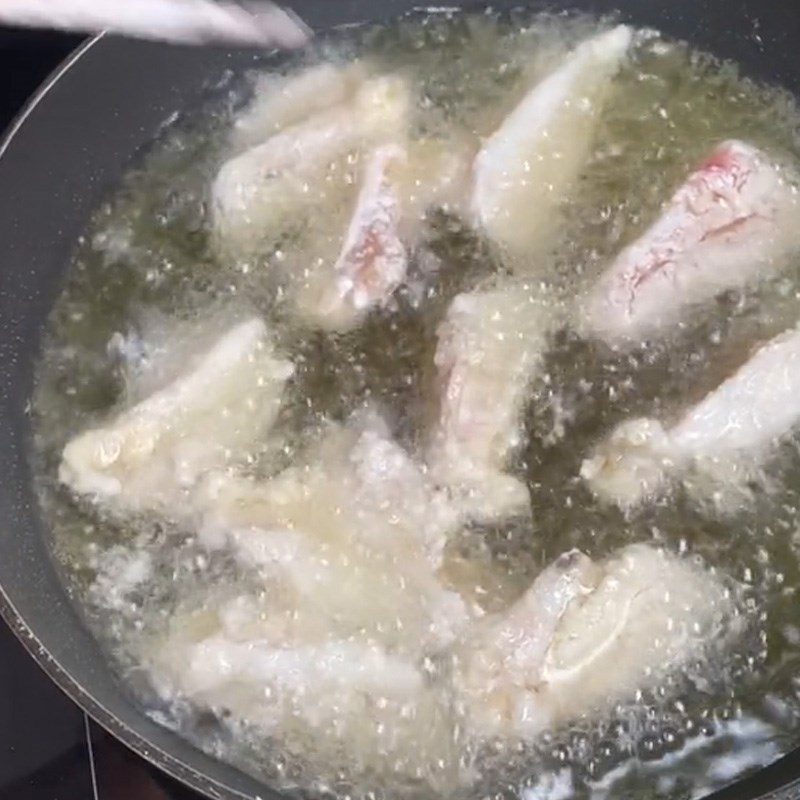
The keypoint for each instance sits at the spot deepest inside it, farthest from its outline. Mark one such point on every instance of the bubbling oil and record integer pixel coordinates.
(148, 253)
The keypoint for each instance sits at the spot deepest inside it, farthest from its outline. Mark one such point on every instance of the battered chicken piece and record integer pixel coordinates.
(399, 185)
(737, 422)
(733, 221)
(281, 101)
(489, 345)
(359, 519)
(587, 636)
(366, 708)
(373, 259)
(285, 667)
(251, 652)
(150, 454)
(262, 188)
(526, 168)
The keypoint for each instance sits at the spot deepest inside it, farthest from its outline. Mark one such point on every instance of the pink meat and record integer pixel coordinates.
(732, 221)
(373, 260)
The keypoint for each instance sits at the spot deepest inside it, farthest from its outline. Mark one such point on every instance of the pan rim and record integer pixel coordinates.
(75, 692)
(157, 755)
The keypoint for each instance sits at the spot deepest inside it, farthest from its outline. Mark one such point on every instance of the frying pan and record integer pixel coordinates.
(64, 153)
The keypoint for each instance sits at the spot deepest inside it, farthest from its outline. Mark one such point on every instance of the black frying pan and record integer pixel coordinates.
(62, 155)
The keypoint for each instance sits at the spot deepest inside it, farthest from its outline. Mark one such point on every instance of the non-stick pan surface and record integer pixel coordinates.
(62, 156)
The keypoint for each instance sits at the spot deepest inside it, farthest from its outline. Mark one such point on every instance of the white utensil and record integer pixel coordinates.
(189, 21)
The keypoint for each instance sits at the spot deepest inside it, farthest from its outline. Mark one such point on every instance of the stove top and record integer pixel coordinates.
(49, 749)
